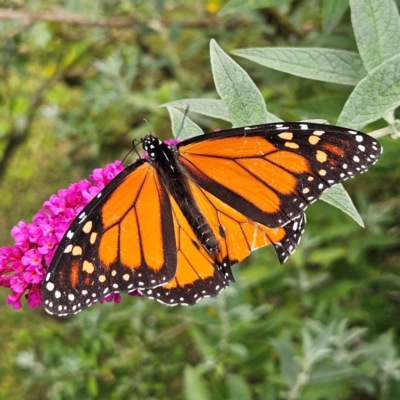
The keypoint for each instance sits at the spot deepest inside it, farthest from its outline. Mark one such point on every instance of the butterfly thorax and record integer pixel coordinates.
(174, 177)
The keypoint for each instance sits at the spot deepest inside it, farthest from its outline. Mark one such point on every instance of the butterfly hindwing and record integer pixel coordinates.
(200, 274)
(238, 235)
(270, 173)
(197, 275)
(288, 244)
(123, 240)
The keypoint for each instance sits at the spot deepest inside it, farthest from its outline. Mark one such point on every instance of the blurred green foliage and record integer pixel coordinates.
(77, 80)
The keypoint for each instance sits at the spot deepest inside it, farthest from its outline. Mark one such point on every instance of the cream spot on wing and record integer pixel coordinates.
(292, 145)
(321, 156)
(314, 139)
(77, 251)
(87, 227)
(93, 237)
(286, 135)
(88, 267)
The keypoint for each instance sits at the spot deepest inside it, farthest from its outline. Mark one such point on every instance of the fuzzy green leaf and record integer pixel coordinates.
(375, 96)
(190, 129)
(338, 197)
(239, 388)
(332, 13)
(376, 25)
(211, 108)
(195, 387)
(328, 65)
(240, 95)
(289, 366)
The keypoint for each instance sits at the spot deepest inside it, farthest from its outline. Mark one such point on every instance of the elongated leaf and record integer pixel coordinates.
(376, 25)
(190, 129)
(375, 96)
(210, 107)
(328, 65)
(330, 372)
(242, 5)
(338, 197)
(332, 12)
(289, 366)
(240, 95)
(238, 388)
(195, 387)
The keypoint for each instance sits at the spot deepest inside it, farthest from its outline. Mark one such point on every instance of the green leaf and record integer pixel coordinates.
(240, 95)
(204, 345)
(40, 34)
(210, 107)
(190, 129)
(92, 387)
(243, 5)
(328, 65)
(327, 256)
(238, 388)
(194, 385)
(338, 197)
(376, 25)
(375, 96)
(289, 366)
(330, 372)
(332, 13)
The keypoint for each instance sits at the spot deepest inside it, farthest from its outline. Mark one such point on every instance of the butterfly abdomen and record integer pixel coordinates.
(173, 176)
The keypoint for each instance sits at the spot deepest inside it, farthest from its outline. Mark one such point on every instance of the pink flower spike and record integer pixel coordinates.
(23, 265)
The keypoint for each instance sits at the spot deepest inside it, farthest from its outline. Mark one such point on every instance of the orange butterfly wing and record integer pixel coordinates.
(123, 240)
(270, 173)
(238, 235)
(198, 275)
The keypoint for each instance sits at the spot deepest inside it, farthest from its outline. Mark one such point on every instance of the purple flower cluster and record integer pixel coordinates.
(23, 265)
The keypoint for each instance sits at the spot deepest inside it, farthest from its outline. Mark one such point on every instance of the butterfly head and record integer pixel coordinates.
(150, 145)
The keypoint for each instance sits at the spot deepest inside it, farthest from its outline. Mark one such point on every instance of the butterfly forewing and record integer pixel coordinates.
(270, 173)
(118, 243)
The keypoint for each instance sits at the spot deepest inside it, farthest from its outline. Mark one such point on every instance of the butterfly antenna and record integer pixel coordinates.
(145, 120)
(182, 123)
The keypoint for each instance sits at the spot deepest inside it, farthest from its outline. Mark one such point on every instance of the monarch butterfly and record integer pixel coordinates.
(171, 225)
